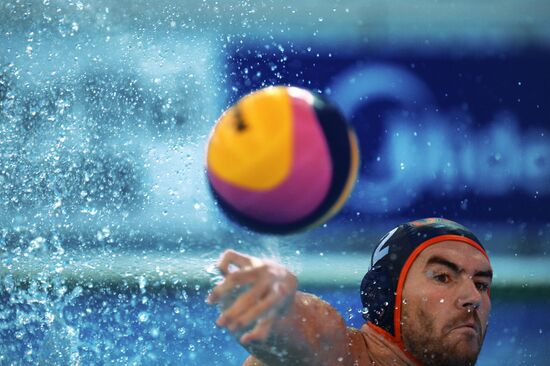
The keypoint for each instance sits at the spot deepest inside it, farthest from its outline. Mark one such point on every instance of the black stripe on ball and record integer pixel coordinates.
(336, 131)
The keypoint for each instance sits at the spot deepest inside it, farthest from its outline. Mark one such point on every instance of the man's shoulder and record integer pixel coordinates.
(253, 361)
(358, 353)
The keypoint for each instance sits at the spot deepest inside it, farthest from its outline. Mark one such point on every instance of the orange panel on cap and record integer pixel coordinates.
(252, 143)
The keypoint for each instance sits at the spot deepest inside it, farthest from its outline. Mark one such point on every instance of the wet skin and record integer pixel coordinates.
(446, 304)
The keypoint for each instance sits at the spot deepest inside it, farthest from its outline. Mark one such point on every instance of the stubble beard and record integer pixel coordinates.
(423, 343)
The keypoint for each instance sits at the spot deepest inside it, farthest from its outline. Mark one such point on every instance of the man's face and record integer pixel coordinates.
(446, 304)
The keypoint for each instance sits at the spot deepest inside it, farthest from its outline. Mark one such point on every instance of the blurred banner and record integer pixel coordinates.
(464, 136)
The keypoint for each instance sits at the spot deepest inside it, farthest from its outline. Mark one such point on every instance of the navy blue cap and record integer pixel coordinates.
(380, 292)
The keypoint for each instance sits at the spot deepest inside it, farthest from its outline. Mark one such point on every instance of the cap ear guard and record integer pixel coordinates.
(377, 291)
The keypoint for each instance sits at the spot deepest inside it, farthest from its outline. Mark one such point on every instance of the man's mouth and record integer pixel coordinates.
(469, 325)
(472, 326)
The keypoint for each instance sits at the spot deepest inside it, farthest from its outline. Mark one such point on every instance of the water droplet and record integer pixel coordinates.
(154, 332)
(49, 317)
(143, 316)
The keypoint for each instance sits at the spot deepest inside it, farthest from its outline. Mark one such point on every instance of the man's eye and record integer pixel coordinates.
(483, 287)
(442, 277)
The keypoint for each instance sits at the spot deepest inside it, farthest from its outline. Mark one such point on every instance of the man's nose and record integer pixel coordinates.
(469, 295)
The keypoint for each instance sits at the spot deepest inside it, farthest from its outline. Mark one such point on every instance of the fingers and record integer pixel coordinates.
(242, 303)
(252, 296)
(233, 281)
(260, 332)
(233, 257)
(250, 307)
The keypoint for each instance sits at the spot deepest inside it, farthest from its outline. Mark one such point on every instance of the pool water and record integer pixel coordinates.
(170, 325)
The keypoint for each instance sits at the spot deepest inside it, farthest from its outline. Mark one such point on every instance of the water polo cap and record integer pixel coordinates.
(382, 285)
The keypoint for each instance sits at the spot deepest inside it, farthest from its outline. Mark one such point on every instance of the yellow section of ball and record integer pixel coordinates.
(251, 144)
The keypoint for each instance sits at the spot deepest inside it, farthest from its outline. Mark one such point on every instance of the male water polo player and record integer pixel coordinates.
(425, 297)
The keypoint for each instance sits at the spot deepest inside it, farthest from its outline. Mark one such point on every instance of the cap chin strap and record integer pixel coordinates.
(384, 333)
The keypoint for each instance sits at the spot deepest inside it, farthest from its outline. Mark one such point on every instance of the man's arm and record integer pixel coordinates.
(275, 323)
(311, 332)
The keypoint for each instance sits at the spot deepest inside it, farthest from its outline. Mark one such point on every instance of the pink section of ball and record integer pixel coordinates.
(305, 187)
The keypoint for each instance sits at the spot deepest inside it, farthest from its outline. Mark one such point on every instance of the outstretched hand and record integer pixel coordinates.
(265, 290)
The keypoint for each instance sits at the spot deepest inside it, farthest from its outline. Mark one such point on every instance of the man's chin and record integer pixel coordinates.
(464, 347)
(465, 337)
(458, 356)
